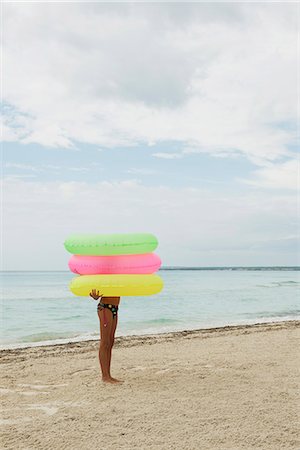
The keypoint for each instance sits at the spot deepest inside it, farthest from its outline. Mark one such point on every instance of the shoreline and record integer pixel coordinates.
(138, 339)
(89, 337)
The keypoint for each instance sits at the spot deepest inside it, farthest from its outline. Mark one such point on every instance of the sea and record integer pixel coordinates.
(37, 308)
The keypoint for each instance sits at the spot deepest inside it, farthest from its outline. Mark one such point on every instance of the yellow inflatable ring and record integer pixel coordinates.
(117, 285)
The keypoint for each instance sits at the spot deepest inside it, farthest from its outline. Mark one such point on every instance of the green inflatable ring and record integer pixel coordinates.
(110, 244)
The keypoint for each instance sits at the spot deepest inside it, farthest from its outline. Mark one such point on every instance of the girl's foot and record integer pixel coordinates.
(114, 380)
(111, 380)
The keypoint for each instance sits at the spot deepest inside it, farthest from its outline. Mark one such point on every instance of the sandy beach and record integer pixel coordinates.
(224, 388)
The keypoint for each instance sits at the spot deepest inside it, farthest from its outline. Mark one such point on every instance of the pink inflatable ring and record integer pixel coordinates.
(121, 264)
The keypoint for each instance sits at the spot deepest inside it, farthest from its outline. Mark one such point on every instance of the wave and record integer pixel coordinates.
(160, 321)
(44, 336)
(278, 314)
(275, 284)
(51, 340)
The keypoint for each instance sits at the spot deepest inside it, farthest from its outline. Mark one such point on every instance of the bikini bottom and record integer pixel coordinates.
(112, 308)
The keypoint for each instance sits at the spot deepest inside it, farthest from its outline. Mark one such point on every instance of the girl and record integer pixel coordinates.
(108, 317)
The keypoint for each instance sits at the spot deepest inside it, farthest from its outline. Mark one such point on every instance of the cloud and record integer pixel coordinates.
(137, 171)
(211, 78)
(13, 177)
(48, 168)
(165, 155)
(79, 169)
(286, 244)
(9, 165)
(194, 226)
(277, 176)
(220, 78)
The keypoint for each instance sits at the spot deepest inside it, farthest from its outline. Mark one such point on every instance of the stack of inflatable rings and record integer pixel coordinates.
(114, 264)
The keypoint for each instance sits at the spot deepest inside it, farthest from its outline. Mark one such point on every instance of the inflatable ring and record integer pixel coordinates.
(117, 285)
(123, 264)
(110, 244)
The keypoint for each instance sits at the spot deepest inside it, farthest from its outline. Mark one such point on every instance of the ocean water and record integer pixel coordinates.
(37, 307)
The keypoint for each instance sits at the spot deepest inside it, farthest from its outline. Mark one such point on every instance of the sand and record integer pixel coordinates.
(227, 388)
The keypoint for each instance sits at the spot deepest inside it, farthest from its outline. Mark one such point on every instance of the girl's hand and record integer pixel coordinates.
(95, 295)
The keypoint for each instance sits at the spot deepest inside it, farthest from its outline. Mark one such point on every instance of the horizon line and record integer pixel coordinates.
(177, 268)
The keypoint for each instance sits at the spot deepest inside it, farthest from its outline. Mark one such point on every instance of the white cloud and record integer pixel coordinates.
(141, 171)
(165, 155)
(277, 176)
(49, 167)
(20, 176)
(10, 165)
(194, 226)
(79, 169)
(220, 78)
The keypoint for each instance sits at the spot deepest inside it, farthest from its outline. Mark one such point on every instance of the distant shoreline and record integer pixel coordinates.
(247, 268)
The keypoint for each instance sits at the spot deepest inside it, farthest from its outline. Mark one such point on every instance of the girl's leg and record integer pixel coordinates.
(112, 339)
(105, 342)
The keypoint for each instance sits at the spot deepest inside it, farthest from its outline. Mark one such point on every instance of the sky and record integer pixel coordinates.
(177, 119)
